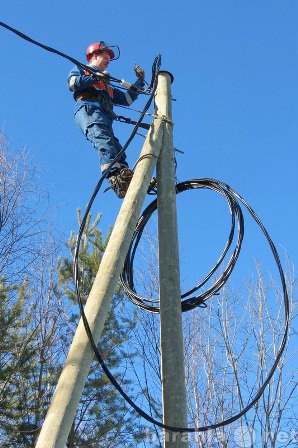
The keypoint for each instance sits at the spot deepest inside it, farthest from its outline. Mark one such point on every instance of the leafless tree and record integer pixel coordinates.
(21, 211)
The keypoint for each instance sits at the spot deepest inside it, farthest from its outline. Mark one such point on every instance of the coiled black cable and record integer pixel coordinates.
(232, 196)
(193, 302)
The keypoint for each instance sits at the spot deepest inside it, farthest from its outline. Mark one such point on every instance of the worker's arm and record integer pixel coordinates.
(128, 97)
(78, 79)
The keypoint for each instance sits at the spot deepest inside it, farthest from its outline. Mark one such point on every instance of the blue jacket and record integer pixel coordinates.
(88, 89)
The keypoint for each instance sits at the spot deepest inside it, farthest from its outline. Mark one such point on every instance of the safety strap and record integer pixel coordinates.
(129, 121)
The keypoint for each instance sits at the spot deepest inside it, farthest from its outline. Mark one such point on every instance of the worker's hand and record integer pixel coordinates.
(102, 76)
(140, 72)
(107, 77)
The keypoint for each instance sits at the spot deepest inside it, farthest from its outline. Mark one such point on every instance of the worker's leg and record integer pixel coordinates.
(97, 128)
(107, 145)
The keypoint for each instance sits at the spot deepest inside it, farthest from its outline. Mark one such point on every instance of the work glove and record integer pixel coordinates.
(140, 72)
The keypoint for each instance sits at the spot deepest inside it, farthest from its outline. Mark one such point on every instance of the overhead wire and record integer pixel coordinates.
(59, 53)
(45, 47)
(127, 275)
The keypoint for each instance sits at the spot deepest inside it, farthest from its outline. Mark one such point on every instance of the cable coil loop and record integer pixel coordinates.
(190, 303)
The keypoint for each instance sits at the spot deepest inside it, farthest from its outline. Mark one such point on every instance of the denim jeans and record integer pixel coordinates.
(93, 122)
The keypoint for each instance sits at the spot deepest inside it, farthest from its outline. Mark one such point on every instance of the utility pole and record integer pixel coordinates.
(171, 335)
(61, 413)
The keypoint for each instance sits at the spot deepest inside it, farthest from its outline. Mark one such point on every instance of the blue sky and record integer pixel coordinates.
(235, 68)
(235, 112)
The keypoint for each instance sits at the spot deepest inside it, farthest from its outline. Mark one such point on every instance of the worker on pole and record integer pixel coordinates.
(94, 113)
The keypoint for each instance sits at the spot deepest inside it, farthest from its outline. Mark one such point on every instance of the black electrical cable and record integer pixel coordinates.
(229, 193)
(231, 196)
(45, 47)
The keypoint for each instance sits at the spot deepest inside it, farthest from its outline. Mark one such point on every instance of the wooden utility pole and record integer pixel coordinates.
(61, 413)
(172, 354)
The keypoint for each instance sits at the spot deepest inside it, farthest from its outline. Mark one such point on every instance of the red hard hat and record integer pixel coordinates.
(99, 46)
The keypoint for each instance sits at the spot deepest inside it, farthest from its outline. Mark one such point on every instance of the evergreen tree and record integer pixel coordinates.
(28, 367)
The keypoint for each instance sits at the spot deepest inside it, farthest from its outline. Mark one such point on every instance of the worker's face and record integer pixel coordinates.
(101, 61)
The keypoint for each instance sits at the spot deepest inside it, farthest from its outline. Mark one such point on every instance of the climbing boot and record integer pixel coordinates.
(120, 181)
